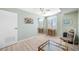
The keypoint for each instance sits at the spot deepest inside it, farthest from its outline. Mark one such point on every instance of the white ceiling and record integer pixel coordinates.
(67, 10)
(51, 11)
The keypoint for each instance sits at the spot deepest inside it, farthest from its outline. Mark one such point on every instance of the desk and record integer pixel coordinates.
(40, 30)
(51, 32)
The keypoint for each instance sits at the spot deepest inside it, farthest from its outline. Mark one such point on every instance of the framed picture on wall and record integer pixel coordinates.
(28, 20)
(67, 22)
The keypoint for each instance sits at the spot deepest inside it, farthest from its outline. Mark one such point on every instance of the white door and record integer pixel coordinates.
(8, 31)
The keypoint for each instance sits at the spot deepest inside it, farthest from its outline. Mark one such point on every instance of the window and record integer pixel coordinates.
(40, 22)
(52, 22)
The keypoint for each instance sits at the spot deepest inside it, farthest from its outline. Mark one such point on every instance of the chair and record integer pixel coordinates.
(70, 37)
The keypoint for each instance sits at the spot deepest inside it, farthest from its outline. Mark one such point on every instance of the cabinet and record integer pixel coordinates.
(40, 30)
(51, 32)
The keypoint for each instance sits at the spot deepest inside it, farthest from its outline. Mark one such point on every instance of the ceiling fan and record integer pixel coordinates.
(44, 10)
(49, 11)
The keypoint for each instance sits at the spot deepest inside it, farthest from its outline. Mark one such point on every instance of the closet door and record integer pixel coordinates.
(8, 28)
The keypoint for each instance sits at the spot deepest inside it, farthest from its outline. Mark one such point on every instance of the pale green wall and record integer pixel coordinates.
(24, 30)
(73, 18)
(59, 24)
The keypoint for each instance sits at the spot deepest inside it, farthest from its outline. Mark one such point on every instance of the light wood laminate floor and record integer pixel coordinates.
(32, 43)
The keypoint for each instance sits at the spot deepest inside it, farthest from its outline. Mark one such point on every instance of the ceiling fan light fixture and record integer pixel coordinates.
(49, 11)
